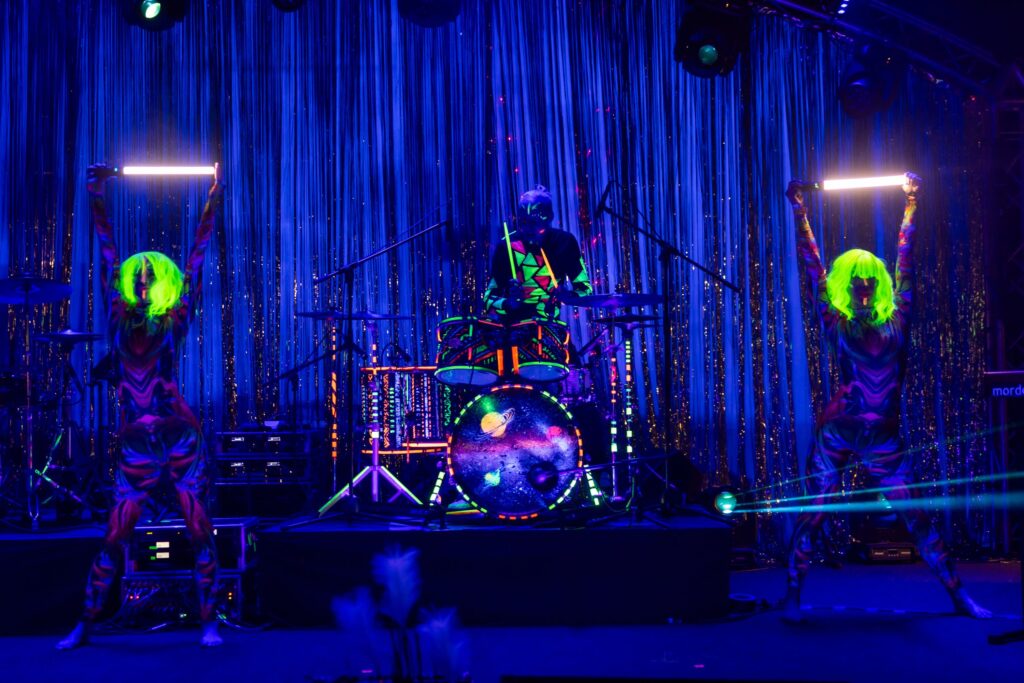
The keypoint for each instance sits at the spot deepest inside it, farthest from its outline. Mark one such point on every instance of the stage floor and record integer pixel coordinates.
(866, 624)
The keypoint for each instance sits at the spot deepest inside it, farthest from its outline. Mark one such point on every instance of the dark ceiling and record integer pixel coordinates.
(994, 25)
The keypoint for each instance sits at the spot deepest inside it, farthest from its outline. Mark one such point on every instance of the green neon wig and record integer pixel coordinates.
(166, 285)
(863, 264)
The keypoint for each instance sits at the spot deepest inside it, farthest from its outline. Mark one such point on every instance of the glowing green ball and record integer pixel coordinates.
(725, 502)
(151, 9)
(707, 54)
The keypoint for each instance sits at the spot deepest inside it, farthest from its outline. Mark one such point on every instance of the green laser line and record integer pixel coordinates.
(857, 462)
(747, 507)
(1014, 500)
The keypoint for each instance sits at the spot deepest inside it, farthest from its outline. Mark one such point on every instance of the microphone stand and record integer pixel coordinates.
(348, 271)
(667, 251)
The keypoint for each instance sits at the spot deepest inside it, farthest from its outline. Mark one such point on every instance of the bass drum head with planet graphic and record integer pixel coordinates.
(515, 452)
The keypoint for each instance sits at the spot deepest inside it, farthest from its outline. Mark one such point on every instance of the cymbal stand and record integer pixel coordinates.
(375, 471)
(348, 271)
(667, 252)
(33, 494)
(610, 352)
(65, 436)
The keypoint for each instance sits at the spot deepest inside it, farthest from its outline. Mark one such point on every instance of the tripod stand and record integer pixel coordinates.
(64, 472)
(375, 471)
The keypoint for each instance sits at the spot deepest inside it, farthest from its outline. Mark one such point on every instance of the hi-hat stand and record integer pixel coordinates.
(667, 252)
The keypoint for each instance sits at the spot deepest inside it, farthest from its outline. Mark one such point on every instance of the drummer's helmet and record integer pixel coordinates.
(535, 211)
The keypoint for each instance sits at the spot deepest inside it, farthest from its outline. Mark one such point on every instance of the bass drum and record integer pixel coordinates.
(515, 452)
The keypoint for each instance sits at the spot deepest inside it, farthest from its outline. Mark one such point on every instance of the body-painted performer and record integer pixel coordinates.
(548, 264)
(150, 305)
(866, 323)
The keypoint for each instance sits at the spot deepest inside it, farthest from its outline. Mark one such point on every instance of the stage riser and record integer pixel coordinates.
(510, 577)
(44, 583)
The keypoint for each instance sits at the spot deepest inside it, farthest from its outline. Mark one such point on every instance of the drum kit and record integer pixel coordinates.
(546, 415)
(533, 416)
(64, 471)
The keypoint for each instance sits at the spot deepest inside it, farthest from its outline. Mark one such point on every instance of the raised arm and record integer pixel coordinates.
(810, 257)
(905, 247)
(96, 177)
(194, 264)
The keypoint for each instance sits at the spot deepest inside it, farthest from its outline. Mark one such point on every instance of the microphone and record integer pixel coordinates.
(600, 204)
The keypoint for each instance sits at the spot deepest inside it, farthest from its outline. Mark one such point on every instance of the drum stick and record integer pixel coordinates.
(508, 243)
(547, 263)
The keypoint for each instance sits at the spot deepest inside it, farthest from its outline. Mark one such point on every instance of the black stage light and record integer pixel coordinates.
(288, 5)
(429, 13)
(154, 15)
(710, 38)
(833, 8)
(870, 82)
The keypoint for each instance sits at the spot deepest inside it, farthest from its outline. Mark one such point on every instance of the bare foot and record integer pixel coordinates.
(211, 636)
(78, 637)
(966, 606)
(791, 613)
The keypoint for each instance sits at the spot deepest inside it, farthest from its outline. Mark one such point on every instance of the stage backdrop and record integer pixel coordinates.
(342, 127)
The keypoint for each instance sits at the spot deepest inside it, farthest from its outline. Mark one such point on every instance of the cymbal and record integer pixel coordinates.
(335, 314)
(628, 319)
(615, 300)
(67, 337)
(37, 290)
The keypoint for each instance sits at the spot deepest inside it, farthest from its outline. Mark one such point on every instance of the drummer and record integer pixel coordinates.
(548, 265)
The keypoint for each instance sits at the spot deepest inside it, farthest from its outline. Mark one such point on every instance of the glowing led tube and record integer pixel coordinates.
(857, 183)
(167, 170)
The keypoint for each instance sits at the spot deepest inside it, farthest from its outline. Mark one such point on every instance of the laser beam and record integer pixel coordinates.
(981, 479)
(1008, 500)
(923, 447)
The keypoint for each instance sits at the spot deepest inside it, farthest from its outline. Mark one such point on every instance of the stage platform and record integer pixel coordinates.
(616, 572)
(613, 571)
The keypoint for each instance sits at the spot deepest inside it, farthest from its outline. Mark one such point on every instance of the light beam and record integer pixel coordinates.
(166, 170)
(858, 183)
(759, 505)
(1008, 500)
(923, 447)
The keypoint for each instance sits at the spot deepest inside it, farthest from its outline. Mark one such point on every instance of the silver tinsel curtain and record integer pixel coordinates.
(342, 127)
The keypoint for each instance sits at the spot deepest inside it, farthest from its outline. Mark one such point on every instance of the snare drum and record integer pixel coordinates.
(540, 350)
(466, 352)
(477, 352)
